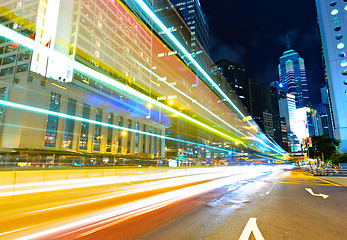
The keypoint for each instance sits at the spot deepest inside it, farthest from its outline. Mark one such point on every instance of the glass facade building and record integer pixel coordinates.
(333, 32)
(292, 75)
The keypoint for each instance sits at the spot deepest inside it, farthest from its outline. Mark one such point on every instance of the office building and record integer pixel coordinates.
(333, 31)
(325, 118)
(94, 81)
(292, 75)
(235, 74)
(196, 20)
(276, 93)
(268, 124)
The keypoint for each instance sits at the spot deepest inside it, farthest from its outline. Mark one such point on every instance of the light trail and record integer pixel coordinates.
(27, 42)
(63, 115)
(92, 182)
(138, 188)
(126, 210)
(187, 96)
(158, 22)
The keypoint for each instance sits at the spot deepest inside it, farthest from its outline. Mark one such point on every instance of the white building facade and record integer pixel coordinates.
(333, 30)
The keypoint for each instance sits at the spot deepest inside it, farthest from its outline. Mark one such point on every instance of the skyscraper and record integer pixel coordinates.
(236, 77)
(333, 31)
(196, 21)
(292, 75)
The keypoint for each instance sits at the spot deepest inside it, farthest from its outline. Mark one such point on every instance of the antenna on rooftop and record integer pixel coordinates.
(288, 42)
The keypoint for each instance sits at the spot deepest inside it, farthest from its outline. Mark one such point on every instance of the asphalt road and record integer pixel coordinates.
(287, 204)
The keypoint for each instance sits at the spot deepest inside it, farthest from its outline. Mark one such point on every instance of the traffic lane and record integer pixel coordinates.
(284, 210)
(57, 217)
(153, 222)
(304, 215)
(32, 219)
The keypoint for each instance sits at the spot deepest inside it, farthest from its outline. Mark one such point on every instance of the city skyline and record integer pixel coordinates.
(255, 36)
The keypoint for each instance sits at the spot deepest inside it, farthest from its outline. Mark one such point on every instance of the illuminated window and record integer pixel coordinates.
(340, 45)
(120, 137)
(334, 12)
(155, 143)
(52, 121)
(84, 128)
(144, 141)
(343, 63)
(137, 127)
(345, 8)
(109, 133)
(339, 36)
(336, 20)
(97, 43)
(150, 139)
(69, 124)
(97, 133)
(97, 53)
(130, 125)
(342, 54)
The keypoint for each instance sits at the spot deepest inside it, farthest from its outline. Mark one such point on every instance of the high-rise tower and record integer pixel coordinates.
(292, 75)
(333, 32)
(196, 21)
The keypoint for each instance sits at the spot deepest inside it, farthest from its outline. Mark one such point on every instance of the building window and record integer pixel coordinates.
(345, 82)
(109, 133)
(332, 3)
(120, 136)
(337, 28)
(334, 12)
(339, 36)
(137, 127)
(159, 145)
(343, 63)
(144, 141)
(3, 92)
(130, 123)
(342, 54)
(336, 20)
(150, 138)
(340, 45)
(84, 128)
(52, 121)
(69, 124)
(155, 143)
(97, 133)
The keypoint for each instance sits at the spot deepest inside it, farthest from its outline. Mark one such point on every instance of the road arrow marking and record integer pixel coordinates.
(315, 194)
(250, 227)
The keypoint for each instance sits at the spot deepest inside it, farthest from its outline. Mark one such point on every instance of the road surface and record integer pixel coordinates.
(252, 203)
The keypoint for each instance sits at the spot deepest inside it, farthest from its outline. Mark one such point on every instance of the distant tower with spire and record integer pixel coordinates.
(292, 75)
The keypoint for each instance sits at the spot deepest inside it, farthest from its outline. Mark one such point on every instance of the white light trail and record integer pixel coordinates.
(155, 201)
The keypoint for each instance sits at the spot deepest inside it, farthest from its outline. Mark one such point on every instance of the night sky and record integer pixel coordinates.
(253, 33)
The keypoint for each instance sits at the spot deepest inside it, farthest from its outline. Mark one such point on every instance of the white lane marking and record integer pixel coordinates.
(270, 189)
(250, 227)
(315, 194)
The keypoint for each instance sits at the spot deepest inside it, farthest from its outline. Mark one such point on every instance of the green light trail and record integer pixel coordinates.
(80, 119)
(27, 42)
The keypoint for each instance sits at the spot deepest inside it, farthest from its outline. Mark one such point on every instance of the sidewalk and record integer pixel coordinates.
(339, 180)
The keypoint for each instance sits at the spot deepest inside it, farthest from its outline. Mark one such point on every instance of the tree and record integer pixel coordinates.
(338, 158)
(323, 146)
